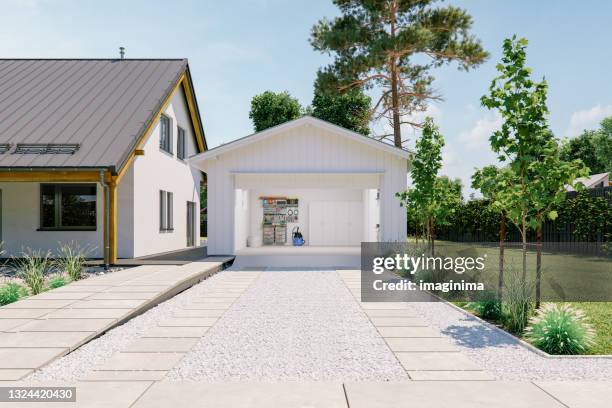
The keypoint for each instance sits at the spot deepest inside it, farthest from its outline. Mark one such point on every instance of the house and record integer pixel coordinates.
(337, 186)
(593, 181)
(94, 151)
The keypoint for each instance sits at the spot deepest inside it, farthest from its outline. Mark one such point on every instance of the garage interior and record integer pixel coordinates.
(332, 215)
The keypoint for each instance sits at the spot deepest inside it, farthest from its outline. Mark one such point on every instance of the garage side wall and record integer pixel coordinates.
(304, 149)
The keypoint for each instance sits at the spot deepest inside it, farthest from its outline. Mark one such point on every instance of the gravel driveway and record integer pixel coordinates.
(292, 325)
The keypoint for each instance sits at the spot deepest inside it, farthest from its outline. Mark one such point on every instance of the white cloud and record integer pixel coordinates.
(477, 137)
(587, 119)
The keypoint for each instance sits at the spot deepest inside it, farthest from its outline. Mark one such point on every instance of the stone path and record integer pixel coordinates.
(422, 350)
(41, 328)
(439, 374)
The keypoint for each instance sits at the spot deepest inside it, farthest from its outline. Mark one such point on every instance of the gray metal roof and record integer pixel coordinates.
(104, 105)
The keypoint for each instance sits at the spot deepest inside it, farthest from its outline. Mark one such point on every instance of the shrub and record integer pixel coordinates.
(32, 267)
(487, 306)
(560, 329)
(71, 260)
(517, 302)
(11, 292)
(57, 282)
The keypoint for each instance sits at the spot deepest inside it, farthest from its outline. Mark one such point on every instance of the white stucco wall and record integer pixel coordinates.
(158, 170)
(304, 149)
(21, 220)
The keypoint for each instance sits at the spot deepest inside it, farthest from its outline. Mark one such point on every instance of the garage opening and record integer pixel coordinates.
(332, 216)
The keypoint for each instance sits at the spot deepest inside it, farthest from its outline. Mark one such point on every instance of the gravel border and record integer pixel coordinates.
(502, 354)
(80, 363)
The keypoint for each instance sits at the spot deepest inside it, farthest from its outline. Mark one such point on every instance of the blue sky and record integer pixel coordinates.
(237, 49)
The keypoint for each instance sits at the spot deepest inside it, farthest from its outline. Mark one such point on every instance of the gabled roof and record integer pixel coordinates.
(305, 120)
(591, 181)
(105, 106)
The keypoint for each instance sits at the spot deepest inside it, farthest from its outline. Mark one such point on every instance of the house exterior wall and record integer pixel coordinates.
(158, 170)
(21, 221)
(303, 149)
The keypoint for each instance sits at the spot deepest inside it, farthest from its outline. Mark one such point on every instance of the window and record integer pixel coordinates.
(165, 134)
(181, 148)
(68, 206)
(166, 209)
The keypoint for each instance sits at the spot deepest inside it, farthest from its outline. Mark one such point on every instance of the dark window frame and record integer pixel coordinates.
(181, 144)
(165, 144)
(57, 203)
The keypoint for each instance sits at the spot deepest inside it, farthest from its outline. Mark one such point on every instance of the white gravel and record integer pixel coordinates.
(502, 355)
(79, 364)
(292, 326)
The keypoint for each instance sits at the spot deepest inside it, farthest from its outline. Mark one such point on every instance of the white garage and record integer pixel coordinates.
(333, 186)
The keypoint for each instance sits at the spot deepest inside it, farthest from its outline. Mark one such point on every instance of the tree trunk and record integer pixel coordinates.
(524, 241)
(502, 239)
(431, 234)
(538, 293)
(397, 132)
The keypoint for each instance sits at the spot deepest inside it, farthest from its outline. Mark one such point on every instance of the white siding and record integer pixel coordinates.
(21, 220)
(158, 170)
(304, 149)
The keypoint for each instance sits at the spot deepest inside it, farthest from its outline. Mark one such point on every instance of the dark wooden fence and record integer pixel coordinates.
(555, 237)
(203, 228)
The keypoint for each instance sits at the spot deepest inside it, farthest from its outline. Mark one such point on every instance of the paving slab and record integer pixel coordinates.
(126, 375)
(108, 304)
(420, 344)
(71, 340)
(14, 313)
(435, 361)
(124, 295)
(453, 375)
(13, 374)
(408, 332)
(195, 332)
(244, 395)
(102, 394)
(29, 357)
(137, 288)
(33, 303)
(142, 361)
(582, 394)
(87, 314)
(53, 295)
(456, 394)
(66, 325)
(73, 287)
(188, 322)
(398, 321)
(160, 345)
(8, 324)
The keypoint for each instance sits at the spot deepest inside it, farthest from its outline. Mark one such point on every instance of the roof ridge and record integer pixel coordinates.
(93, 59)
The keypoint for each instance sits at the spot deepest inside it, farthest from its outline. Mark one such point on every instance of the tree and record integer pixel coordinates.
(593, 147)
(270, 109)
(393, 45)
(535, 175)
(426, 163)
(493, 184)
(350, 110)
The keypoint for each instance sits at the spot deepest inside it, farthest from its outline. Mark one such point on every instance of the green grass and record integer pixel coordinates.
(600, 317)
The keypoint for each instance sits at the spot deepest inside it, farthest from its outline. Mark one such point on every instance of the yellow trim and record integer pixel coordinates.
(50, 176)
(195, 120)
(112, 188)
(183, 82)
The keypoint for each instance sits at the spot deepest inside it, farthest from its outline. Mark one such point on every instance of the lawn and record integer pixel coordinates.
(576, 279)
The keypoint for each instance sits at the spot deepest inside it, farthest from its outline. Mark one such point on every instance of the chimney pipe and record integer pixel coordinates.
(122, 52)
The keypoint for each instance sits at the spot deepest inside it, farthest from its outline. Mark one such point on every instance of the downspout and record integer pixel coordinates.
(106, 220)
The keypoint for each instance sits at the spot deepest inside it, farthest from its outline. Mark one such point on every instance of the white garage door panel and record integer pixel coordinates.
(338, 223)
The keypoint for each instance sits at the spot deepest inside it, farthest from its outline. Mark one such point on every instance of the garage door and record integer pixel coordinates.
(337, 223)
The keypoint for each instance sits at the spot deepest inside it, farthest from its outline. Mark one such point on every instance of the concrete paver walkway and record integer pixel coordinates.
(440, 375)
(41, 328)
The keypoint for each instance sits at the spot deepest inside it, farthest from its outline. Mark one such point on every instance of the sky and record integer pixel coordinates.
(239, 48)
